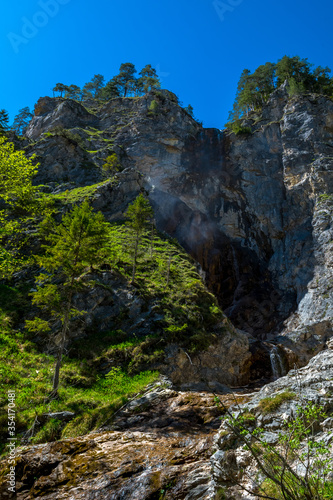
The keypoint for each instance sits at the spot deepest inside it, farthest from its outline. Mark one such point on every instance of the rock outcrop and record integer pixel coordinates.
(232, 465)
(255, 210)
(158, 445)
(168, 443)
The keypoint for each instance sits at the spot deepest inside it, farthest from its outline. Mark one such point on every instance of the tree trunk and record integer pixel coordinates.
(57, 372)
(56, 375)
(135, 257)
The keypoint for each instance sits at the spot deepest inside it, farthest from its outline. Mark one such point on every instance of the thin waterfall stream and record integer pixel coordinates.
(278, 362)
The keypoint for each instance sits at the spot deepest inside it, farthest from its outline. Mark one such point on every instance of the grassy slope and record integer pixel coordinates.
(189, 315)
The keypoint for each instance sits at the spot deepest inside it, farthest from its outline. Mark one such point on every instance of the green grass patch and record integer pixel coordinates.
(77, 195)
(326, 198)
(92, 396)
(167, 274)
(270, 404)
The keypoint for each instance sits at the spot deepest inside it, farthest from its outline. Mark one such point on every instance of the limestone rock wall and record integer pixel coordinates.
(253, 209)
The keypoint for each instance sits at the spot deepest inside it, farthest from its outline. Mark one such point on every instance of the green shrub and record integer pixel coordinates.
(75, 139)
(280, 465)
(239, 129)
(153, 108)
(112, 165)
(270, 404)
(51, 431)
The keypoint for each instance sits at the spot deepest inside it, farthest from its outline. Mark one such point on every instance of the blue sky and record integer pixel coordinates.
(198, 48)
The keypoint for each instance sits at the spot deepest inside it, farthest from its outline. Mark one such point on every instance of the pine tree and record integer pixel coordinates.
(74, 245)
(139, 215)
(110, 91)
(4, 119)
(238, 108)
(149, 79)
(73, 92)
(94, 87)
(125, 80)
(61, 88)
(294, 67)
(189, 109)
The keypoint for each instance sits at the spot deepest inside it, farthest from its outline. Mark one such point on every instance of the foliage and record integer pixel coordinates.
(189, 109)
(4, 120)
(110, 91)
(125, 80)
(75, 139)
(149, 79)
(254, 89)
(295, 88)
(324, 197)
(92, 396)
(22, 199)
(237, 128)
(123, 84)
(94, 87)
(73, 92)
(269, 404)
(296, 468)
(139, 214)
(188, 311)
(61, 88)
(153, 108)
(76, 195)
(21, 120)
(77, 242)
(16, 174)
(112, 165)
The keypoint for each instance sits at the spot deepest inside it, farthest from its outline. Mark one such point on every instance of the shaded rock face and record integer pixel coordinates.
(55, 112)
(248, 207)
(226, 362)
(249, 210)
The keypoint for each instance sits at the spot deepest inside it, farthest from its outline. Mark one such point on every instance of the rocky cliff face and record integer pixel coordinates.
(254, 210)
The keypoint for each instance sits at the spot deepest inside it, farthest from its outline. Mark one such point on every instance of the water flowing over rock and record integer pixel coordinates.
(279, 368)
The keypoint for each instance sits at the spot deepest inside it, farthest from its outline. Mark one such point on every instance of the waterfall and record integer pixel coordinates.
(278, 362)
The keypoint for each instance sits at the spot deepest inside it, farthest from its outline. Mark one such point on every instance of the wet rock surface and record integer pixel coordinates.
(172, 444)
(159, 444)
